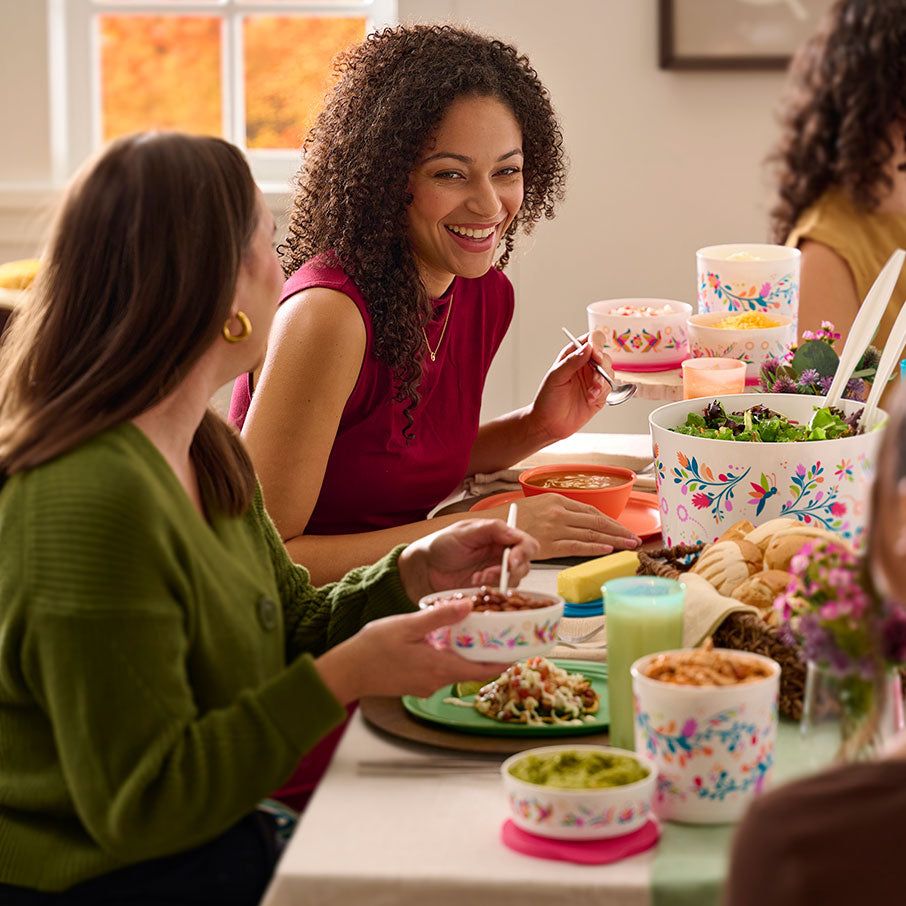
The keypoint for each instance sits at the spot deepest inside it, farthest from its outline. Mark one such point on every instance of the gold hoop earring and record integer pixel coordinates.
(244, 322)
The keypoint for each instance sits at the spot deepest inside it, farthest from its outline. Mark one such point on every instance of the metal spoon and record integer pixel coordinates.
(619, 393)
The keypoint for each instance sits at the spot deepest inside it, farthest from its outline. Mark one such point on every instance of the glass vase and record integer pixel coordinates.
(847, 718)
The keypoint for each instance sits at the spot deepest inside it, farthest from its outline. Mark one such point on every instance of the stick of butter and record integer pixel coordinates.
(581, 583)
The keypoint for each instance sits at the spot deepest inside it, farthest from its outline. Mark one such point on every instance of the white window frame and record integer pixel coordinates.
(75, 74)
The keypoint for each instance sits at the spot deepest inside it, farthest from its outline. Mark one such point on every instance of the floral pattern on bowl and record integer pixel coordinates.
(578, 814)
(703, 483)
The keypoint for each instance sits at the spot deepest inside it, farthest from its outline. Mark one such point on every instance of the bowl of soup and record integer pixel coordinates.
(578, 792)
(501, 628)
(605, 487)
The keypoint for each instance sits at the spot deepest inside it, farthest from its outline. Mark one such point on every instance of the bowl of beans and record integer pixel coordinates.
(605, 487)
(501, 628)
(642, 334)
(750, 336)
(706, 719)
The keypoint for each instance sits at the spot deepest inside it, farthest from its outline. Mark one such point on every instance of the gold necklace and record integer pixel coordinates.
(433, 352)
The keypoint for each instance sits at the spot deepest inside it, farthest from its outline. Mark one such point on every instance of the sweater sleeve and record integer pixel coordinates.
(316, 619)
(106, 653)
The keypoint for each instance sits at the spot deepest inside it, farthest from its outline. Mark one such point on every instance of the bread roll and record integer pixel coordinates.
(762, 589)
(726, 564)
(765, 532)
(737, 531)
(786, 544)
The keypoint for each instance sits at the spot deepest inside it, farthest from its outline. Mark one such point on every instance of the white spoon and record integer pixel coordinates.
(505, 562)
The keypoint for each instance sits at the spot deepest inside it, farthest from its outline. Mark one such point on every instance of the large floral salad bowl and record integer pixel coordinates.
(705, 484)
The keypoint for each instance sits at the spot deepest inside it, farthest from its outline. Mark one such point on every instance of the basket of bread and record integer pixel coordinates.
(751, 565)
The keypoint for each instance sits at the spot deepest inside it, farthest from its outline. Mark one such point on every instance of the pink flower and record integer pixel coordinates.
(838, 509)
(689, 727)
(701, 500)
(765, 290)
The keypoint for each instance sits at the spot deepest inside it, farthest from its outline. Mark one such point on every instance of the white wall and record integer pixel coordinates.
(661, 163)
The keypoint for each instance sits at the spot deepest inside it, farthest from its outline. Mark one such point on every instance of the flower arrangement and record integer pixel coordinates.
(846, 630)
(810, 367)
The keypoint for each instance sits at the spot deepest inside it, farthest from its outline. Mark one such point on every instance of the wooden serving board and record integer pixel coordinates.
(388, 715)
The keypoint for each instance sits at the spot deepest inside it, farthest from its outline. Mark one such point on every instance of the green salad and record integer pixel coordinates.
(762, 425)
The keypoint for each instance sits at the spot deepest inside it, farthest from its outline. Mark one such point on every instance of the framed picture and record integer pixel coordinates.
(735, 34)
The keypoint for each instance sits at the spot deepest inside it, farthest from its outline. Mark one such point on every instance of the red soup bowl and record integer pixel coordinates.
(605, 487)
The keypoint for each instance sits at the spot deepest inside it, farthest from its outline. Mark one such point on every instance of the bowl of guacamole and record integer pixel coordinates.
(579, 792)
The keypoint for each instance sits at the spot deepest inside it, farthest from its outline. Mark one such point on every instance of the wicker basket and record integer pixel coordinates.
(740, 631)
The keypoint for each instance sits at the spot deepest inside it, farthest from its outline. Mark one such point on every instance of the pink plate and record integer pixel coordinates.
(642, 514)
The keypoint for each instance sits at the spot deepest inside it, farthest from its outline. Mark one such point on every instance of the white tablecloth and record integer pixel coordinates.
(429, 841)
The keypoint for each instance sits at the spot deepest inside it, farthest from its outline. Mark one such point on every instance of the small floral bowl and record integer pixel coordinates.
(498, 636)
(638, 342)
(712, 746)
(578, 814)
(752, 346)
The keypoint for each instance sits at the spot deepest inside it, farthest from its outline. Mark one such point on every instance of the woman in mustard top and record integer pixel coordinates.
(163, 663)
(841, 163)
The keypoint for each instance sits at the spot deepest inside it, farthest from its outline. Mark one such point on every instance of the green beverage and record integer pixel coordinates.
(644, 615)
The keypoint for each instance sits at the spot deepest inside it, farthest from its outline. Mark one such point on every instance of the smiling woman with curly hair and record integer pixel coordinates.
(842, 157)
(434, 149)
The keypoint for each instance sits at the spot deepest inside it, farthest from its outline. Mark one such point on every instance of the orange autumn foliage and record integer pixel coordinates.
(164, 72)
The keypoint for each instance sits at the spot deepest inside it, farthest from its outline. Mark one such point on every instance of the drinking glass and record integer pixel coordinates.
(713, 377)
(644, 615)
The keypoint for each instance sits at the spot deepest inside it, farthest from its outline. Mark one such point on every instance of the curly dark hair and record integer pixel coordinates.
(350, 198)
(847, 87)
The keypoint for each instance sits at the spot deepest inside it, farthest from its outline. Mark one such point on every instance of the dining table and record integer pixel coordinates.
(418, 834)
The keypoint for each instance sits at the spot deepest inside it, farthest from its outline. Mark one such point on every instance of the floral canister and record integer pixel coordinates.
(712, 746)
(642, 334)
(742, 277)
(704, 484)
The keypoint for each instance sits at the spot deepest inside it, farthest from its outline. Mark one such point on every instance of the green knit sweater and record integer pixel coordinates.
(150, 692)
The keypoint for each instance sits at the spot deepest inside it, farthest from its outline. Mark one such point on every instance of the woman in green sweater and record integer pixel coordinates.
(163, 664)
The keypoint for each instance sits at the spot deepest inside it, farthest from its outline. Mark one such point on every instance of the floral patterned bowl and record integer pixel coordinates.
(578, 814)
(751, 346)
(712, 746)
(638, 342)
(705, 485)
(749, 277)
(499, 636)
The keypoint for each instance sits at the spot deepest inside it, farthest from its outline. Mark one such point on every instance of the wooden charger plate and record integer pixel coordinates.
(389, 715)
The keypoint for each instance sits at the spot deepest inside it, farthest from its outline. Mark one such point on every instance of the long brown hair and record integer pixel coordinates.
(137, 281)
(846, 88)
(350, 199)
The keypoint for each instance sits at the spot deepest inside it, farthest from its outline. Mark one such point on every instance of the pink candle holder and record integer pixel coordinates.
(713, 377)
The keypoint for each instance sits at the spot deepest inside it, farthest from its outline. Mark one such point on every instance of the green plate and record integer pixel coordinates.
(468, 720)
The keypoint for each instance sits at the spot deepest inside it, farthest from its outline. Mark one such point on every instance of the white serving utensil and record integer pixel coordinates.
(890, 358)
(866, 323)
(618, 393)
(505, 561)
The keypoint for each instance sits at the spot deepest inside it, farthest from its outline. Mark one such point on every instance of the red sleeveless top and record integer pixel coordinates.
(374, 478)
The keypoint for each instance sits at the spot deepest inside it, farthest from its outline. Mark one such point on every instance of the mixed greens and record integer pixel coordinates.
(762, 425)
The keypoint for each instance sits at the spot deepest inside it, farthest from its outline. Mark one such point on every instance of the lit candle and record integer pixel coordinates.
(713, 377)
(644, 615)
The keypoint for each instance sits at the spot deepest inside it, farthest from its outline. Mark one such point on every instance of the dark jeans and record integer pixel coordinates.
(232, 870)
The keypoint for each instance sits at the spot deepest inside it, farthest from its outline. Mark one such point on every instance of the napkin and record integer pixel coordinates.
(595, 649)
(705, 609)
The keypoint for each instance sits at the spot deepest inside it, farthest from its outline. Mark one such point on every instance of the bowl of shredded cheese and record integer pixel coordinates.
(751, 336)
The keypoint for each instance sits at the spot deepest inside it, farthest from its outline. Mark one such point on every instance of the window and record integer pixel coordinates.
(252, 71)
